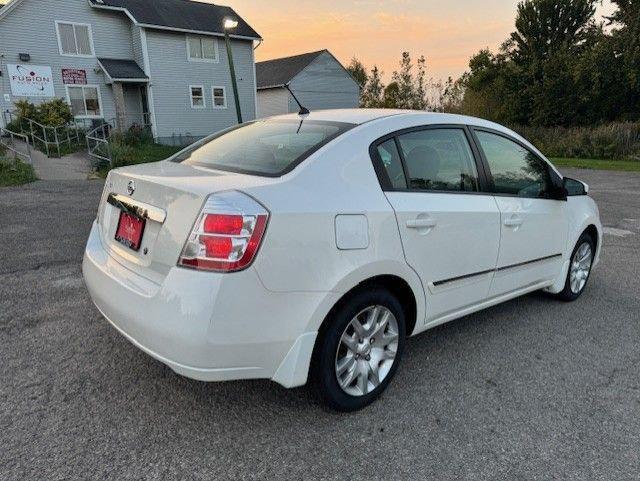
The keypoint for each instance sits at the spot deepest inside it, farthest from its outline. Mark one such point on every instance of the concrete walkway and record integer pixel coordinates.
(74, 166)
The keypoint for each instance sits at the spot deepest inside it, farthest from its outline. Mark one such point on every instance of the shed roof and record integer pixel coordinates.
(183, 15)
(280, 71)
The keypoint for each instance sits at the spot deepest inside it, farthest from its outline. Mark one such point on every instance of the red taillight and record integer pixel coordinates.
(223, 224)
(217, 247)
(227, 234)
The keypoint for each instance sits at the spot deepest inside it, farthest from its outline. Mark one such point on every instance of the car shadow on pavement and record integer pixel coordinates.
(468, 350)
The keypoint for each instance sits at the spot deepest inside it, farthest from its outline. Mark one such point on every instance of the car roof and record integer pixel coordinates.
(418, 117)
(361, 116)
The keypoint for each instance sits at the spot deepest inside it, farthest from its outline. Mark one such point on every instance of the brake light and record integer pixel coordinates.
(227, 233)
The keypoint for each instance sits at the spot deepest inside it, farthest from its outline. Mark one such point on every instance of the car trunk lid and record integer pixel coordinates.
(167, 197)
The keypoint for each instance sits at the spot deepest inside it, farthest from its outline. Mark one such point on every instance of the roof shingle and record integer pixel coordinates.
(182, 15)
(122, 69)
(280, 71)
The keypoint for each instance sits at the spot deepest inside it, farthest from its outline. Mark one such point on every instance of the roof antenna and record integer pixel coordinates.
(303, 110)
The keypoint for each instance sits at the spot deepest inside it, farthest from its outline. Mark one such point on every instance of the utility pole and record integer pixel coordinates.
(230, 24)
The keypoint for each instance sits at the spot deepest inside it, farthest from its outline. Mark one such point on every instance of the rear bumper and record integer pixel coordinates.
(207, 326)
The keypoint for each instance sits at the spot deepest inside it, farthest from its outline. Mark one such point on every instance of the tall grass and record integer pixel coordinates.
(617, 140)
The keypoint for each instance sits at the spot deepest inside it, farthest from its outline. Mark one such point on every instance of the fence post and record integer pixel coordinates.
(55, 136)
(46, 139)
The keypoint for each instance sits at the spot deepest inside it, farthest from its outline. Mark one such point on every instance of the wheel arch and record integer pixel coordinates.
(395, 284)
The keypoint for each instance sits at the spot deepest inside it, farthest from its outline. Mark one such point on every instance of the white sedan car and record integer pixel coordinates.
(310, 246)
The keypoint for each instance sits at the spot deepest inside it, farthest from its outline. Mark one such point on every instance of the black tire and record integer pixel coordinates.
(323, 368)
(567, 294)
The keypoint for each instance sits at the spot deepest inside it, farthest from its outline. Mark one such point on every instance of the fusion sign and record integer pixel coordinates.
(31, 80)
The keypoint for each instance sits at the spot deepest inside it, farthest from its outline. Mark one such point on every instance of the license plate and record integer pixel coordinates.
(129, 231)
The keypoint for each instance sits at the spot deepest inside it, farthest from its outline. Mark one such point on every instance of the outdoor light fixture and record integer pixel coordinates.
(229, 24)
(24, 57)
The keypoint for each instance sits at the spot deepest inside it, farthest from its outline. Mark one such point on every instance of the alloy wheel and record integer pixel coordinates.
(580, 267)
(367, 350)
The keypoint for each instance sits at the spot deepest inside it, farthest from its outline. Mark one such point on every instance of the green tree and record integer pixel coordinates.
(543, 26)
(405, 95)
(371, 95)
(358, 72)
(390, 96)
(537, 77)
(625, 40)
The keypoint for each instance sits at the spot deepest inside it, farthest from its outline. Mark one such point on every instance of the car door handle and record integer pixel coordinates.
(513, 221)
(421, 223)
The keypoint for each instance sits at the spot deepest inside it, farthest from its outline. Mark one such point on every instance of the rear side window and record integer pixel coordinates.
(390, 157)
(440, 160)
(515, 170)
(268, 148)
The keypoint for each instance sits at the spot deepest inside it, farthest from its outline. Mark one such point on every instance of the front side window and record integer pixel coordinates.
(515, 170)
(219, 98)
(197, 96)
(266, 147)
(202, 49)
(74, 39)
(84, 100)
(439, 160)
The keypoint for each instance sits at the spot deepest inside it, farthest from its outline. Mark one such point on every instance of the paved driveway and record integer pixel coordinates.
(532, 389)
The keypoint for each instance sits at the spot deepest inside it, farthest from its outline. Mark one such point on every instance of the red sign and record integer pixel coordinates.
(74, 76)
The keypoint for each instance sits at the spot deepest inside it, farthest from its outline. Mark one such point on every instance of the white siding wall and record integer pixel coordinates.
(172, 73)
(30, 28)
(324, 84)
(136, 38)
(273, 102)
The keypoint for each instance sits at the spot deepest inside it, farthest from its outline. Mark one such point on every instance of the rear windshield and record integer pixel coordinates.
(266, 147)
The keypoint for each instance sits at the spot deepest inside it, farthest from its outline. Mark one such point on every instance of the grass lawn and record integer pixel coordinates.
(17, 173)
(143, 153)
(599, 164)
(123, 154)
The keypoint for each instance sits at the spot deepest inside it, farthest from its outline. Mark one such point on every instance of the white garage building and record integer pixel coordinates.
(317, 79)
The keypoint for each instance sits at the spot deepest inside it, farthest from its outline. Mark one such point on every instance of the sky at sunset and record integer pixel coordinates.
(377, 31)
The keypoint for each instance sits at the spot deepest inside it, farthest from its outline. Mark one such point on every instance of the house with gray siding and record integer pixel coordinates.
(317, 79)
(160, 63)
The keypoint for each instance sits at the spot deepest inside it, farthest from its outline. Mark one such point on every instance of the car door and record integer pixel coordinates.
(534, 225)
(449, 227)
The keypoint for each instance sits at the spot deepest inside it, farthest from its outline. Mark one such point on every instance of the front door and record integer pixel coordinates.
(146, 121)
(533, 231)
(449, 229)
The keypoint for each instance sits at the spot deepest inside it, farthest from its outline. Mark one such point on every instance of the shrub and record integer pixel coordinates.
(53, 113)
(15, 173)
(617, 140)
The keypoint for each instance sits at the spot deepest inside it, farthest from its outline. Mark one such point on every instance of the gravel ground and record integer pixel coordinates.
(531, 389)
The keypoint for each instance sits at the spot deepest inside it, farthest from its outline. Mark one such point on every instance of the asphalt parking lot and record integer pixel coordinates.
(532, 389)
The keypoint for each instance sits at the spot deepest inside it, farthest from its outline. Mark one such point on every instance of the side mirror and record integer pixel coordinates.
(558, 190)
(575, 187)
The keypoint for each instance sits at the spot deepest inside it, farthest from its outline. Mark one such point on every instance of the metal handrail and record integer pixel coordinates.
(9, 145)
(98, 138)
(50, 135)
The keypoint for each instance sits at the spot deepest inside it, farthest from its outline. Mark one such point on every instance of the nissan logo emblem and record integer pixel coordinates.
(131, 187)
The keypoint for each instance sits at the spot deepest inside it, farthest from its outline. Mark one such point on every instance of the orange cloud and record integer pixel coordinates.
(378, 31)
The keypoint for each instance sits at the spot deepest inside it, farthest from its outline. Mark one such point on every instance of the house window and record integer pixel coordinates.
(197, 96)
(219, 98)
(84, 100)
(75, 39)
(202, 49)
